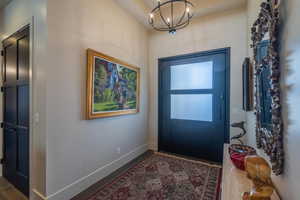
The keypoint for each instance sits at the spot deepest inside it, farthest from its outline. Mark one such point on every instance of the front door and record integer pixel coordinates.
(193, 104)
(16, 109)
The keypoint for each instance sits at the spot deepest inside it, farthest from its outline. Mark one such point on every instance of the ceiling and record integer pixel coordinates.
(140, 9)
(3, 3)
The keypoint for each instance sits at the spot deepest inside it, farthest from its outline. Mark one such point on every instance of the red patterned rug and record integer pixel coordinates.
(164, 177)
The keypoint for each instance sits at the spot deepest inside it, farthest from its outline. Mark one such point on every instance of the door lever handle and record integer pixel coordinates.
(221, 104)
(222, 96)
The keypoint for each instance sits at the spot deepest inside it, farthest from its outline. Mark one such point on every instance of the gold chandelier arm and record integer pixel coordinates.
(182, 17)
(163, 18)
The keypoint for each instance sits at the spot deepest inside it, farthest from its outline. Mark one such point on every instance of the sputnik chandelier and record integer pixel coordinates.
(171, 15)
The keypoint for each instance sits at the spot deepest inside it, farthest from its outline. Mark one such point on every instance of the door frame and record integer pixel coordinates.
(225, 51)
(27, 23)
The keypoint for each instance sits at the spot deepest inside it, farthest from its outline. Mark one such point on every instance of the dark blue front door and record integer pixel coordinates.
(16, 110)
(193, 104)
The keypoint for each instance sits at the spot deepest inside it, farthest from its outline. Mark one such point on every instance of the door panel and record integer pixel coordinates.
(23, 105)
(22, 153)
(23, 65)
(10, 154)
(10, 63)
(10, 109)
(16, 110)
(193, 118)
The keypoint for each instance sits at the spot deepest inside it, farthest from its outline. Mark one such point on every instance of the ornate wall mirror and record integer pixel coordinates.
(267, 84)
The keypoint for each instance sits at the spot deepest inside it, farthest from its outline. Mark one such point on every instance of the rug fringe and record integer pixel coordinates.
(186, 159)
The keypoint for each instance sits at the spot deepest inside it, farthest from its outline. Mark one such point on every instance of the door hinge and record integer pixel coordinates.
(2, 89)
(2, 53)
(2, 124)
(2, 161)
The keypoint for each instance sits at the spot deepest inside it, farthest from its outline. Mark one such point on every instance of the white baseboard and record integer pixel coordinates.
(83, 183)
(36, 195)
(153, 146)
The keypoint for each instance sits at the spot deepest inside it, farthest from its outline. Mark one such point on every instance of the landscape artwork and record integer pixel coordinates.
(112, 86)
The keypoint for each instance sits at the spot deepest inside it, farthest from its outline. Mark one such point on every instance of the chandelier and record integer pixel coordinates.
(171, 15)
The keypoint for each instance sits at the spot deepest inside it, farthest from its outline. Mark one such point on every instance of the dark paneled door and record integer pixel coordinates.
(193, 116)
(16, 109)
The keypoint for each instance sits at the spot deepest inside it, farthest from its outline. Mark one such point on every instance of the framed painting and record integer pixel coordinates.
(113, 86)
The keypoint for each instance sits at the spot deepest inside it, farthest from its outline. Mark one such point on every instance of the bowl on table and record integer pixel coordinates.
(238, 152)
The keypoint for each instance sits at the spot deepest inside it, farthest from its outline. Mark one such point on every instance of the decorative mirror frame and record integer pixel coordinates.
(267, 25)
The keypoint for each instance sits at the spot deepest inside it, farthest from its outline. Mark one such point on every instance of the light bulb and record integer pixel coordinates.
(151, 15)
(168, 20)
(187, 10)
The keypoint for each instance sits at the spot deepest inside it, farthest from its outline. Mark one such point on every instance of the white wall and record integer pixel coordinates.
(226, 29)
(288, 183)
(13, 17)
(80, 152)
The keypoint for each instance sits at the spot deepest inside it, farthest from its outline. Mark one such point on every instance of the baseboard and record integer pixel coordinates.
(83, 183)
(153, 147)
(37, 195)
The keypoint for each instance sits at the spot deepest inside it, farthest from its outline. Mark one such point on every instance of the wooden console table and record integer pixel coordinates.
(234, 181)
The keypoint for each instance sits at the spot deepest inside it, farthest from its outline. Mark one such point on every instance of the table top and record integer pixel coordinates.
(235, 181)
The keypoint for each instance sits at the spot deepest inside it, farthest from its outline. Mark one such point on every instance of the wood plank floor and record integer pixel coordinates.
(9, 192)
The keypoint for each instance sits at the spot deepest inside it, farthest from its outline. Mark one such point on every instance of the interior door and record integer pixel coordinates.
(193, 103)
(15, 126)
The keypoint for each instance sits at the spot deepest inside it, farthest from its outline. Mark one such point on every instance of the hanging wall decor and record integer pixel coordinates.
(247, 85)
(269, 135)
(113, 86)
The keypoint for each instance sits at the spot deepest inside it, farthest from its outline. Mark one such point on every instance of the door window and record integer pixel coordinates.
(192, 76)
(191, 91)
(191, 107)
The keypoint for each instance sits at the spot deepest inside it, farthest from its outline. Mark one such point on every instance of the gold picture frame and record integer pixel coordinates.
(113, 86)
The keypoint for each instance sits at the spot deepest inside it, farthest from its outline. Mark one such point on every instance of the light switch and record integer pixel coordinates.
(36, 118)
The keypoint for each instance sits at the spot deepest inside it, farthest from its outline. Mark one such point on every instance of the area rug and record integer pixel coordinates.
(164, 177)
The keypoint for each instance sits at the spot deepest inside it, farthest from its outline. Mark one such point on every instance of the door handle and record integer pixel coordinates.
(222, 97)
(220, 111)
(221, 104)
(12, 129)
